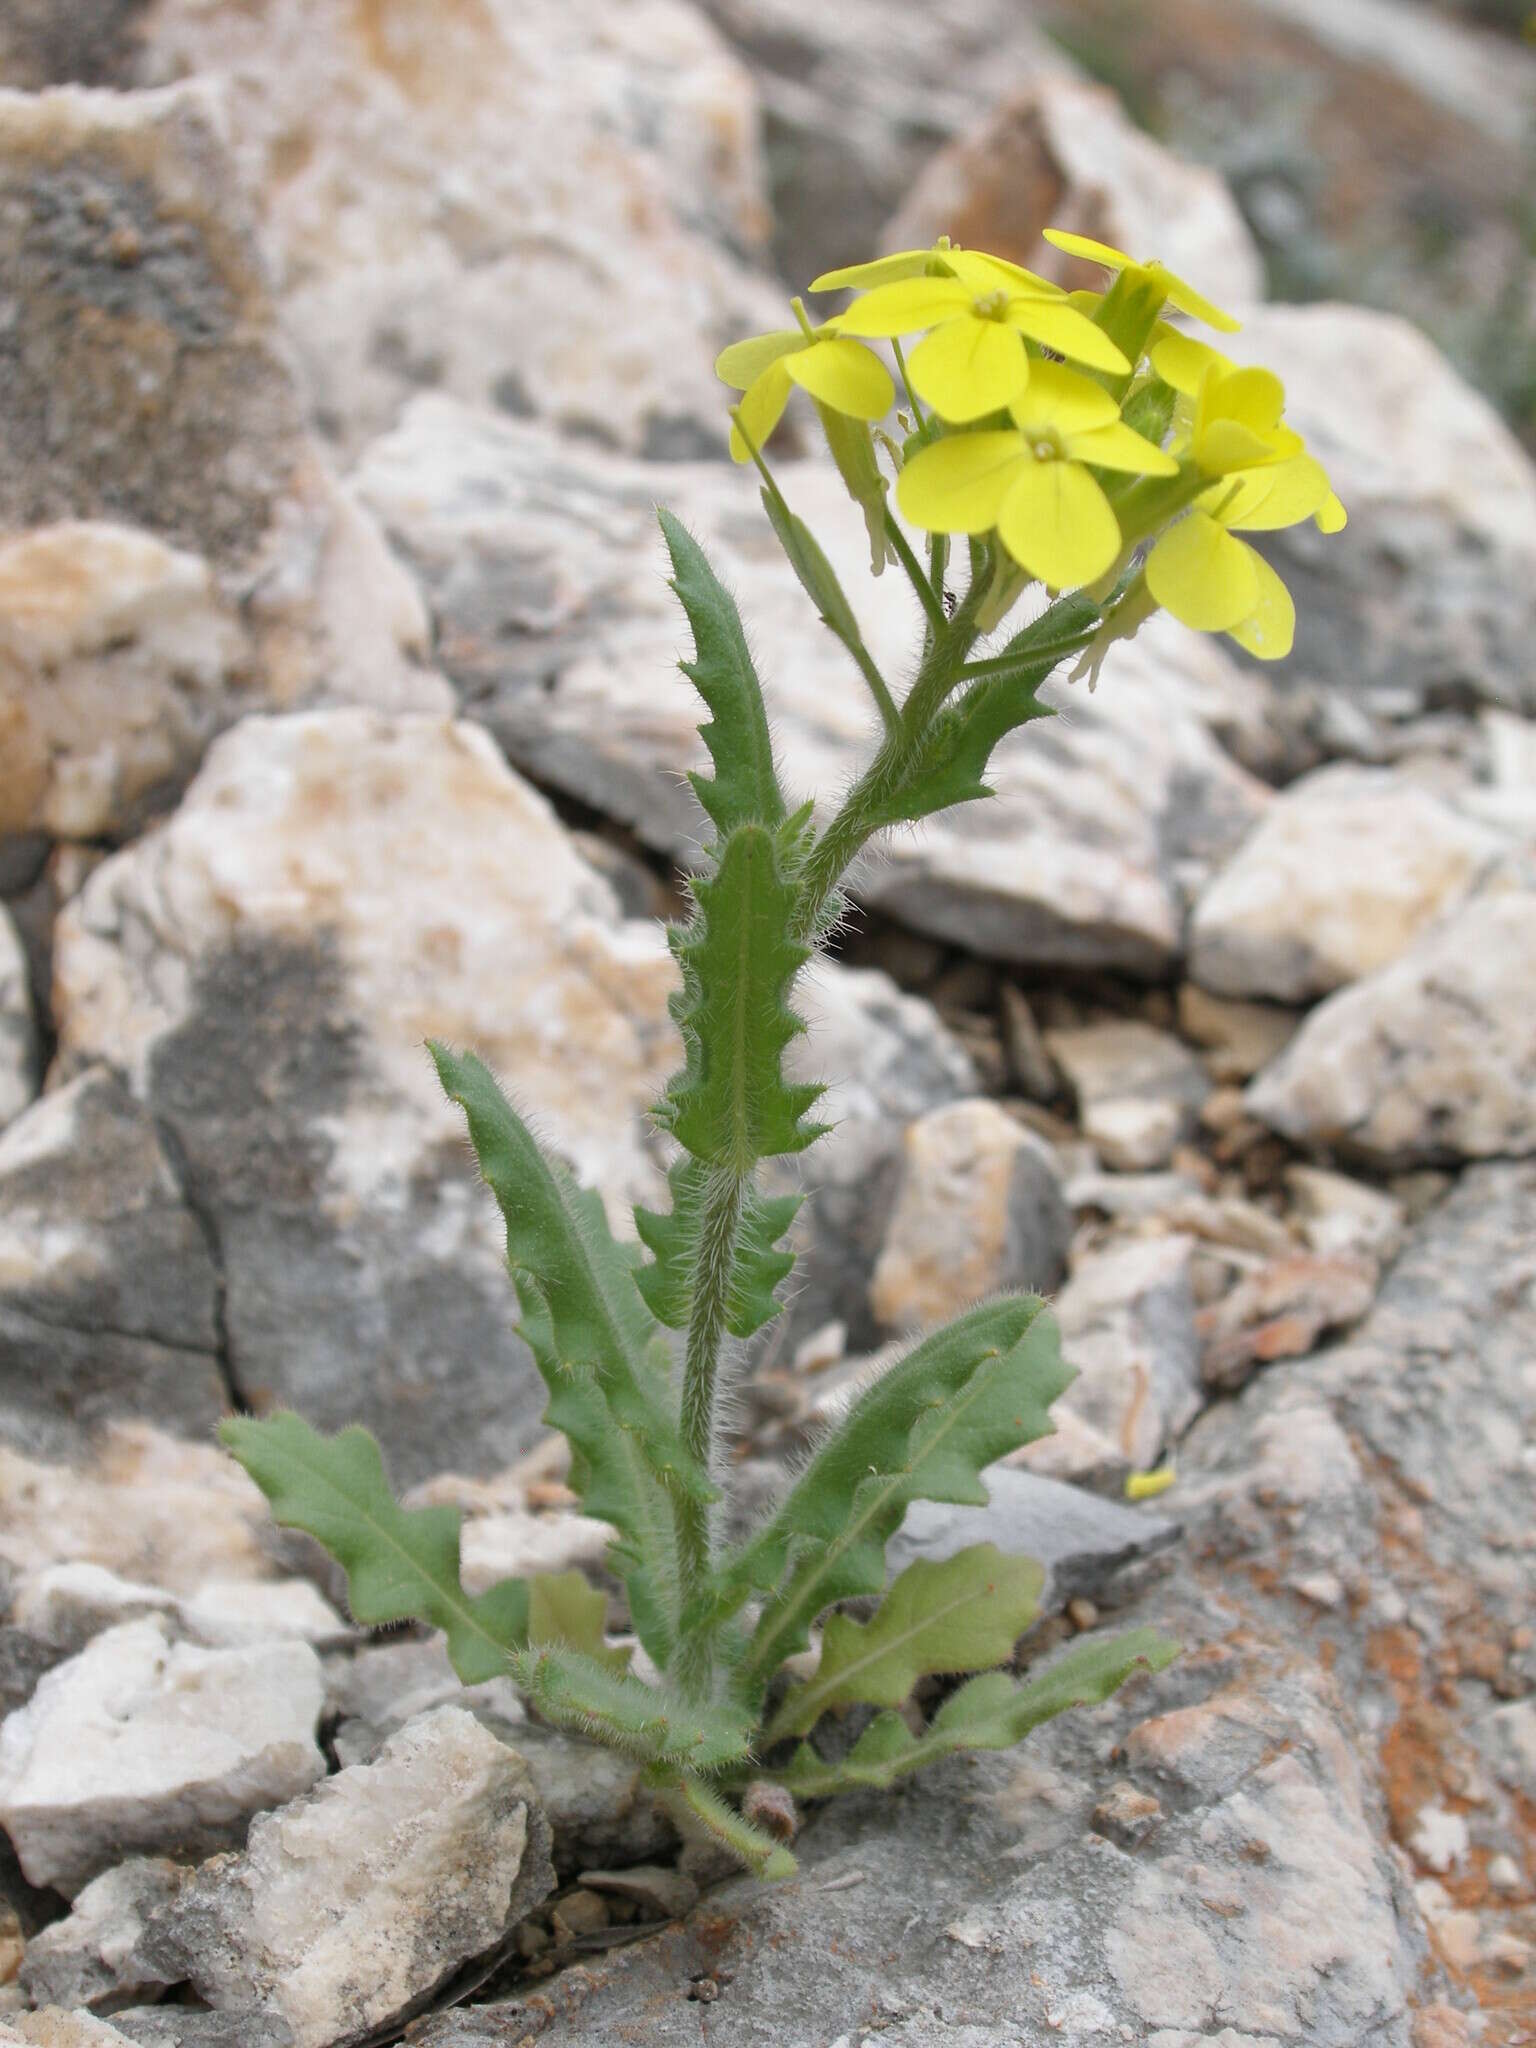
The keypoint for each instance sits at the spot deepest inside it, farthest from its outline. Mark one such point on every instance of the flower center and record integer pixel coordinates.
(1045, 444)
(993, 306)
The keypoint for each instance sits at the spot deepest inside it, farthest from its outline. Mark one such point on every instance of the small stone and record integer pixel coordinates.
(1239, 1038)
(1082, 1614)
(53, 2028)
(576, 1913)
(1126, 1815)
(18, 1032)
(823, 1348)
(1440, 1839)
(1030, 1066)
(1505, 1874)
(90, 1958)
(1137, 1089)
(1280, 1311)
(665, 1894)
(13, 1943)
(1442, 2026)
(1340, 1215)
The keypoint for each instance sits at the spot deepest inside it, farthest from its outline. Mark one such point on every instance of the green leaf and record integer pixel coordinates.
(402, 1564)
(667, 1285)
(731, 1105)
(697, 1809)
(573, 1690)
(990, 1712)
(925, 1430)
(817, 576)
(564, 1608)
(962, 1614)
(852, 447)
(744, 788)
(597, 1348)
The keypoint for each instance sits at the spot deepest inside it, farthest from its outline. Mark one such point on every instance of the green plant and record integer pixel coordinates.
(1123, 480)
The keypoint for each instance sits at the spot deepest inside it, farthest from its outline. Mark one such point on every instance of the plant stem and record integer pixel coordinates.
(927, 596)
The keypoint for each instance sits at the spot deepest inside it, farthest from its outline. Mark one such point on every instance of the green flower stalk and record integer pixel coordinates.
(1102, 459)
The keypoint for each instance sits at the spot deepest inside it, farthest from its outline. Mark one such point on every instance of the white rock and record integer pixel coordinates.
(1340, 1215)
(138, 1745)
(979, 1208)
(18, 1033)
(1137, 1089)
(546, 572)
(513, 1543)
(1238, 1038)
(1345, 870)
(88, 1958)
(1427, 1059)
(355, 1901)
(1440, 1839)
(53, 2028)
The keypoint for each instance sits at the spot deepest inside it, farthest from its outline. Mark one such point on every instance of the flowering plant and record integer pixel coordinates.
(1077, 444)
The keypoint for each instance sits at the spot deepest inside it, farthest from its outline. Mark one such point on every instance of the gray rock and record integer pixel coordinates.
(188, 2026)
(67, 1604)
(89, 1959)
(545, 571)
(18, 1031)
(137, 1744)
(1137, 1089)
(53, 2028)
(376, 1690)
(348, 1909)
(979, 1208)
(601, 1812)
(1425, 1061)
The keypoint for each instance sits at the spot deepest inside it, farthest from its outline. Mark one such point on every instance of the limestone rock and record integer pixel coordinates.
(1067, 155)
(108, 1290)
(139, 1745)
(374, 1691)
(524, 202)
(1343, 1215)
(88, 1959)
(177, 550)
(1238, 1038)
(66, 1604)
(1280, 1311)
(1343, 873)
(18, 1032)
(980, 1208)
(1137, 1089)
(545, 571)
(1427, 1060)
(345, 1911)
(53, 2028)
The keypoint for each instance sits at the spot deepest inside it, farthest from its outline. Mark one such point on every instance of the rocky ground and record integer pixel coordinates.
(346, 353)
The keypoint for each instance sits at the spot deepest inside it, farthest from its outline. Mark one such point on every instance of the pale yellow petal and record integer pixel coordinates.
(905, 307)
(1195, 304)
(1118, 446)
(958, 484)
(1055, 324)
(744, 361)
(1331, 516)
(1089, 250)
(1064, 399)
(1202, 574)
(845, 375)
(882, 270)
(1183, 362)
(984, 273)
(1058, 524)
(761, 408)
(968, 368)
(1269, 631)
(1252, 396)
(1283, 494)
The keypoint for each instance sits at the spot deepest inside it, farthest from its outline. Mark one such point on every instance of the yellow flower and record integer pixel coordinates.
(1033, 482)
(1214, 582)
(974, 360)
(840, 374)
(1167, 283)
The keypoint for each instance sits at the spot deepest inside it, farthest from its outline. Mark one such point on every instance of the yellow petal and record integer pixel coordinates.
(745, 361)
(1222, 446)
(1194, 303)
(985, 273)
(1054, 323)
(1331, 516)
(1057, 524)
(1118, 446)
(957, 485)
(1148, 1485)
(968, 368)
(1253, 397)
(1269, 631)
(883, 270)
(1282, 495)
(1061, 398)
(1183, 362)
(761, 409)
(1090, 251)
(1203, 574)
(845, 375)
(903, 308)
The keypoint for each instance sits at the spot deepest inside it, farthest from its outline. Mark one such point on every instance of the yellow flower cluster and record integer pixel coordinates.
(1079, 434)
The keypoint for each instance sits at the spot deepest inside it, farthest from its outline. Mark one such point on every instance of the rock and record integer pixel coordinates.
(661, 1894)
(18, 1032)
(1433, 480)
(469, 202)
(1029, 1064)
(1081, 1539)
(1424, 1061)
(52, 2028)
(1127, 1319)
(1280, 1312)
(178, 550)
(89, 1959)
(347, 1910)
(1342, 874)
(189, 2026)
(376, 1690)
(1125, 1815)
(1137, 1089)
(1131, 1196)
(979, 1209)
(601, 1812)
(1340, 1215)
(139, 1745)
(1064, 154)
(108, 1287)
(67, 1604)
(544, 570)
(1238, 1038)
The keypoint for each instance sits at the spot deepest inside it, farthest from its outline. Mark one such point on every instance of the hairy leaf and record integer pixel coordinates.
(952, 763)
(925, 1430)
(597, 1348)
(564, 1608)
(667, 1285)
(402, 1564)
(744, 788)
(576, 1691)
(962, 1614)
(990, 1712)
(731, 1105)
(697, 1808)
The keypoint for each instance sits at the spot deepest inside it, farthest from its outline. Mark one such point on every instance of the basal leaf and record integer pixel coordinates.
(990, 1712)
(924, 1431)
(672, 1239)
(744, 788)
(961, 1614)
(402, 1564)
(572, 1690)
(563, 1607)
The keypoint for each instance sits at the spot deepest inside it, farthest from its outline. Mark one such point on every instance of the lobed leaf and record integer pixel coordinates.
(573, 1690)
(962, 1614)
(672, 1239)
(563, 1607)
(402, 1564)
(744, 788)
(990, 1712)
